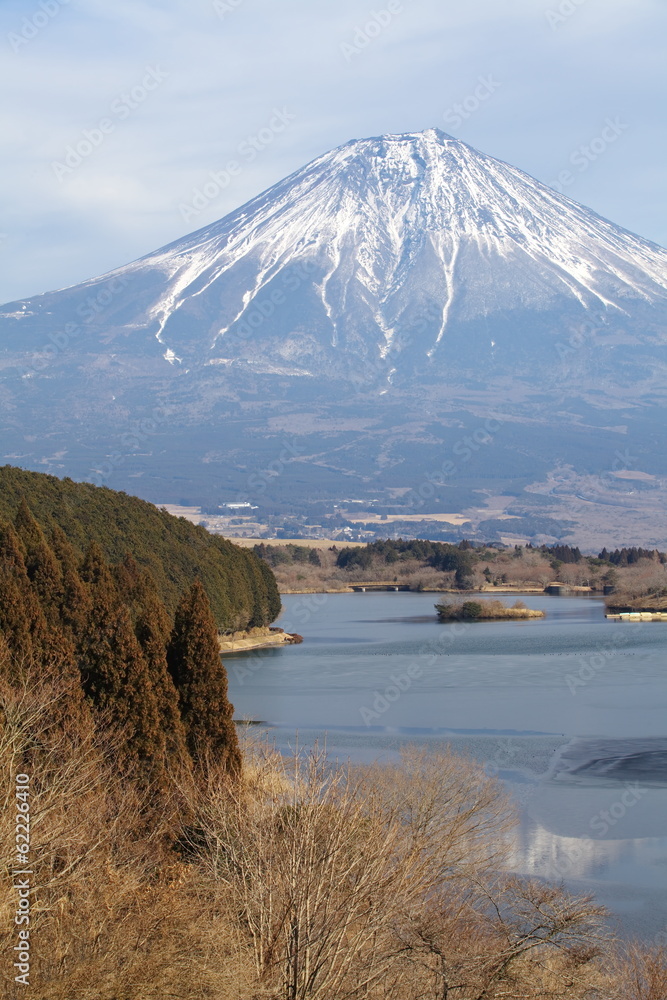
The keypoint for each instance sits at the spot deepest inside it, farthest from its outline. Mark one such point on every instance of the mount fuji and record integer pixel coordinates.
(367, 314)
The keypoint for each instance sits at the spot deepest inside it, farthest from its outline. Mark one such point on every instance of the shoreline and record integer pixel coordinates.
(257, 638)
(387, 588)
(265, 638)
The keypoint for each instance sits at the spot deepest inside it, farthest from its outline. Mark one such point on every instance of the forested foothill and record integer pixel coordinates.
(104, 633)
(240, 587)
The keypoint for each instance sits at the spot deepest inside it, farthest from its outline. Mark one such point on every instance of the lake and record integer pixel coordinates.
(569, 710)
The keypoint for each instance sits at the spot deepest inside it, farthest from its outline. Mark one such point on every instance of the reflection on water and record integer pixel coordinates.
(587, 762)
(629, 876)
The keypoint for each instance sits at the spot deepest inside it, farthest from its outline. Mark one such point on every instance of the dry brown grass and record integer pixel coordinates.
(114, 913)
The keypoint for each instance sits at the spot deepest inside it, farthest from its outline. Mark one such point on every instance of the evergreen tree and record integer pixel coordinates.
(152, 625)
(114, 670)
(11, 553)
(74, 606)
(273, 602)
(22, 621)
(201, 681)
(32, 636)
(153, 632)
(131, 582)
(173, 550)
(40, 561)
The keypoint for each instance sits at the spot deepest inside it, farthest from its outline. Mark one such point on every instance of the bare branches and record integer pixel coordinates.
(347, 880)
(639, 972)
(298, 881)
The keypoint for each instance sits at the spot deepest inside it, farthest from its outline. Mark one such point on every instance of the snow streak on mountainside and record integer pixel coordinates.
(396, 253)
(404, 318)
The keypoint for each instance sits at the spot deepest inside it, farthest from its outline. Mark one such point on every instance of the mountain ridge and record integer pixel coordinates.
(406, 285)
(417, 210)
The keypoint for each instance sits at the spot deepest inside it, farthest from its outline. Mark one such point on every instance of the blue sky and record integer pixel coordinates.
(156, 96)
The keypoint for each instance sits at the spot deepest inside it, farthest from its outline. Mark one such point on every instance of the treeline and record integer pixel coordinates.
(461, 557)
(285, 555)
(241, 588)
(104, 632)
(441, 556)
(561, 553)
(626, 557)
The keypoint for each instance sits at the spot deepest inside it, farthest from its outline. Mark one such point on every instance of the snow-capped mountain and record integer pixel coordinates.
(387, 264)
(380, 250)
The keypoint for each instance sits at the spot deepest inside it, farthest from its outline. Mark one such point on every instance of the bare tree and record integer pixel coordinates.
(323, 863)
(639, 972)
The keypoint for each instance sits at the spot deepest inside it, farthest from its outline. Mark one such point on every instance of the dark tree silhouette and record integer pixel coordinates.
(201, 682)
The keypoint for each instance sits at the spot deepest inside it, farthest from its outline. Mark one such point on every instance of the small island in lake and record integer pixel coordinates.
(483, 611)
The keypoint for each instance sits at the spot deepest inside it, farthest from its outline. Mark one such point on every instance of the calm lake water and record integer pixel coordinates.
(570, 711)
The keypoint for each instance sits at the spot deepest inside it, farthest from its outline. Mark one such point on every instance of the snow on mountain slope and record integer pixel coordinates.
(405, 317)
(402, 249)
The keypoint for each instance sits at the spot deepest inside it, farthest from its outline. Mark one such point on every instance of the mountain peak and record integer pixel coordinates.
(428, 136)
(395, 247)
(366, 324)
(391, 223)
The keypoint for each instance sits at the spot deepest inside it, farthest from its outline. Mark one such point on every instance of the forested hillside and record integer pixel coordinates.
(241, 588)
(104, 634)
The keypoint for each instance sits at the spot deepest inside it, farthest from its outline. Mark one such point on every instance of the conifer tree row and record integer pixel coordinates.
(201, 680)
(107, 633)
(242, 590)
